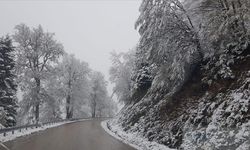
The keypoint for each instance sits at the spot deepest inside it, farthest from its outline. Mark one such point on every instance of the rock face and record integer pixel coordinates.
(210, 111)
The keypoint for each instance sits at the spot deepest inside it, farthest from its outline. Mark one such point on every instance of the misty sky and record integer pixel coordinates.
(88, 29)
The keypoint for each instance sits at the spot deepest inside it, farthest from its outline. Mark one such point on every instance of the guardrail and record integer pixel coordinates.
(4, 131)
(14, 129)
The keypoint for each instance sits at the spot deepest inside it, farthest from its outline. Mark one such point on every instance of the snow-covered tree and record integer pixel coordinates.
(223, 31)
(166, 28)
(169, 48)
(223, 24)
(109, 109)
(121, 74)
(8, 87)
(74, 77)
(53, 98)
(176, 35)
(98, 95)
(37, 51)
(2, 117)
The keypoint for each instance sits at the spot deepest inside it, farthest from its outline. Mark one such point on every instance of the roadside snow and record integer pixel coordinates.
(131, 139)
(9, 136)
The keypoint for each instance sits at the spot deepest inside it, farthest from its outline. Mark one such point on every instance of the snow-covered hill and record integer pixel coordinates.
(203, 114)
(190, 80)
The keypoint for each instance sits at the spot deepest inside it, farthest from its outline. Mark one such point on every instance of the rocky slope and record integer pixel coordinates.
(210, 111)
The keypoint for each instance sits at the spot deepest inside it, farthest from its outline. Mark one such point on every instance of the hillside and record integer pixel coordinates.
(191, 80)
(200, 115)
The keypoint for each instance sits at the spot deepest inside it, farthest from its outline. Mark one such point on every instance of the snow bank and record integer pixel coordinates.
(131, 139)
(9, 136)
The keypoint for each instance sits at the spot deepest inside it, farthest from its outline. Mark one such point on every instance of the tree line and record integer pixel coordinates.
(51, 84)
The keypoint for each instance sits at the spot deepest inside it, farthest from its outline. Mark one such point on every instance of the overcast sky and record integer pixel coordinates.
(90, 29)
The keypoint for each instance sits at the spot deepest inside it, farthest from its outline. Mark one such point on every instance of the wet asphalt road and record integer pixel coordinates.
(84, 135)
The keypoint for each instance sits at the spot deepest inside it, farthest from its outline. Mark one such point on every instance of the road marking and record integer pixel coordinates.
(4, 146)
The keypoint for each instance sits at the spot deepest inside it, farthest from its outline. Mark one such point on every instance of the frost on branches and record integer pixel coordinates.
(169, 42)
(100, 103)
(37, 51)
(8, 101)
(121, 74)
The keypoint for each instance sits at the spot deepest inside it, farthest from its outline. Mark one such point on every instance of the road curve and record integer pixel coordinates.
(84, 135)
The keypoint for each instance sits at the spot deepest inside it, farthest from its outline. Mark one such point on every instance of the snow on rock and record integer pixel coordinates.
(228, 126)
(133, 139)
(201, 115)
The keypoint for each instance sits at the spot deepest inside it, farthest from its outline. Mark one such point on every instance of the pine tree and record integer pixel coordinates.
(8, 87)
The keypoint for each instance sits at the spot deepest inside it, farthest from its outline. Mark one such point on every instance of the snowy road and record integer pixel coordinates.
(84, 135)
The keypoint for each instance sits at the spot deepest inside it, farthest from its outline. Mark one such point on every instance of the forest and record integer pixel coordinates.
(40, 82)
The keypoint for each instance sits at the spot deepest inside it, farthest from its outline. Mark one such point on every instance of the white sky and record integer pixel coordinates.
(90, 29)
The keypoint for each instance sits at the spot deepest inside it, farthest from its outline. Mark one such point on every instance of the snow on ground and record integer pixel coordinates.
(9, 136)
(132, 139)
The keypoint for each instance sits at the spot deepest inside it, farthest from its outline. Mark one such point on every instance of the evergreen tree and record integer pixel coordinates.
(8, 87)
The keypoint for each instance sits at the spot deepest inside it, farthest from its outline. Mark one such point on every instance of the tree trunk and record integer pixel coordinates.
(71, 110)
(38, 84)
(68, 107)
(68, 102)
(93, 114)
(37, 112)
(94, 108)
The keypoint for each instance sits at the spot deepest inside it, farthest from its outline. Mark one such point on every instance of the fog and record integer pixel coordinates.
(88, 29)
